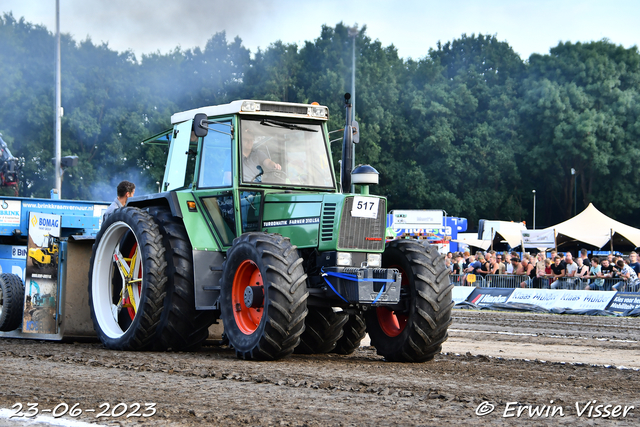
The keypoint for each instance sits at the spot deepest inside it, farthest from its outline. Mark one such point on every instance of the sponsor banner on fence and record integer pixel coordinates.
(487, 296)
(10, 213)
(538, 238)
(554, 298)
(623, 301)
(41, 284)
(461, 293)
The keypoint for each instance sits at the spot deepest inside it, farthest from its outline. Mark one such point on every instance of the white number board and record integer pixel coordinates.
(365, 207)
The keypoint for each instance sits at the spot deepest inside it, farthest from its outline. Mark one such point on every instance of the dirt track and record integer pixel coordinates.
(484, 360)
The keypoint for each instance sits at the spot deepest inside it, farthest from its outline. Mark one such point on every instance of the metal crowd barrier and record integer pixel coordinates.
(512, 281)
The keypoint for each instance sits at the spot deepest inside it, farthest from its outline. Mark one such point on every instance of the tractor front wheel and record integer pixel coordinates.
(263, 296)
(415, 332)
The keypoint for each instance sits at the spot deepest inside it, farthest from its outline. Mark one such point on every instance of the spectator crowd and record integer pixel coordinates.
(555, 271)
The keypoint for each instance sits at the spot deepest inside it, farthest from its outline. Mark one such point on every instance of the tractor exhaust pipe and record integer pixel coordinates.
(347, 147)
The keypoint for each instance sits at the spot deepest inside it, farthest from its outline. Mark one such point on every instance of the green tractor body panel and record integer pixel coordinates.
(199, 230)
(296, 216)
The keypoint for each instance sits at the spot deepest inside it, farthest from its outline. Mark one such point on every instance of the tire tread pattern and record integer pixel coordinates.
(354, 330)
(12, 301)
(431, 306)
(182, 327)
(323, 329)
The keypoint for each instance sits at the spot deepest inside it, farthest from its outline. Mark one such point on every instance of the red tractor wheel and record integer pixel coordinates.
(415, 330)
(263, 296)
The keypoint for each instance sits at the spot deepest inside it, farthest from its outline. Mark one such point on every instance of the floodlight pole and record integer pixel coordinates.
(575, 191)
(534, 209)
(58, 108)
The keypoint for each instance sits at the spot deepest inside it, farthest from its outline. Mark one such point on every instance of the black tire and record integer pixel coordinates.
(11, 301)
(271, 328)
(322, 330)
(354, 330)
(427, 292)
(136, 333)
(182, 327)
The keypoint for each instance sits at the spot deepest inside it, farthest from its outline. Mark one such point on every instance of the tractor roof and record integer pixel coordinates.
(266, 108)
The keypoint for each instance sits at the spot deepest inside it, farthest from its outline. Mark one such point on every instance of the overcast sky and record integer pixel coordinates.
(412, 26)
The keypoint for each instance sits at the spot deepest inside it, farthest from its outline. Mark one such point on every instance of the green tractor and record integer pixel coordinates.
(251, 227)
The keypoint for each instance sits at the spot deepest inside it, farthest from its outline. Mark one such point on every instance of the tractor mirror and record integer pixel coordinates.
(199, 127)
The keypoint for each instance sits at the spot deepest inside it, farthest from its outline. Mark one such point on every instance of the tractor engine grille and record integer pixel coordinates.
(362, 233)
(328, 219)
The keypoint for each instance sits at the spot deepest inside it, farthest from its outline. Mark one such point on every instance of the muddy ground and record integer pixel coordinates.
(544, 361)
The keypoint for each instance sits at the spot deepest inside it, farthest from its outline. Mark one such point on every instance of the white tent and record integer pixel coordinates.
(596, 229)
(472, 240)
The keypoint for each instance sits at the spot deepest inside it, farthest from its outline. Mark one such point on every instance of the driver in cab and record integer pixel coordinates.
(254, 162)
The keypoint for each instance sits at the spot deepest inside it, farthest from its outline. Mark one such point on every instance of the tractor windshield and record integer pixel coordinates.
(280, 152)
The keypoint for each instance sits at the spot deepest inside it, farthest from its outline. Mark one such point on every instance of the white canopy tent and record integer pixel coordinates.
(471, 239)
(594, 228)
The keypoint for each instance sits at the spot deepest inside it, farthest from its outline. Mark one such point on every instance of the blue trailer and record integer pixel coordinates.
(47, 244)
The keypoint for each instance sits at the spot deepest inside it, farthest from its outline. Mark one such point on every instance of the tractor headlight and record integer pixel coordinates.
(317, 111)
(343, 258)
(250, 106)
(374, 260)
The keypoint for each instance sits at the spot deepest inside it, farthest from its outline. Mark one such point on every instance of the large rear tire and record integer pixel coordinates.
(182, 327)
(11, 301)
(354, 331)
(263, 296)
(126, 296)
(322, 330)
(416, 333)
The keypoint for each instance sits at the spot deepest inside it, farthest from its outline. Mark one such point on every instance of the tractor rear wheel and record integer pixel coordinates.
(322, 330)
(127, 280)
(416, 332)
(182, 327)
(354, 330)
(263, 296)
(11, 301)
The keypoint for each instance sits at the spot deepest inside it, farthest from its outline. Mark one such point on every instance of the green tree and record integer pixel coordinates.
(580, 110)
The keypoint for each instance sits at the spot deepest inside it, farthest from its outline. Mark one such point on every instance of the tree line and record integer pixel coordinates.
(470, 128)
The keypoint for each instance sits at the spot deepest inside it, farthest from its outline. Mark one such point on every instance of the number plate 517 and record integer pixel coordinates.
(365, 207)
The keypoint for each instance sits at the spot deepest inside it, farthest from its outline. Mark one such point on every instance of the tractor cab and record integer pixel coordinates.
(231, 156)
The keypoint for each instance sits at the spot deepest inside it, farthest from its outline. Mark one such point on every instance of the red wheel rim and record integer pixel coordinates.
(391, 323)
(247, 318)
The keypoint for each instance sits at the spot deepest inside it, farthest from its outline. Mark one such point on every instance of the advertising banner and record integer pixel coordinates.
(487, 296)
(623, 301)
(461, 293)
(538, 238)
(10, 213)
(554, 298)
(41, 276)
(417, 218)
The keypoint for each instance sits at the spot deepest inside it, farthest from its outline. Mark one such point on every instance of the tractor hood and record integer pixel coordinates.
(343, 222)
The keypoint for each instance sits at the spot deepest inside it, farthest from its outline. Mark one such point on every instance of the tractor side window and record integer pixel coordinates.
(250, 210)
(215, 165)
(221, 212)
